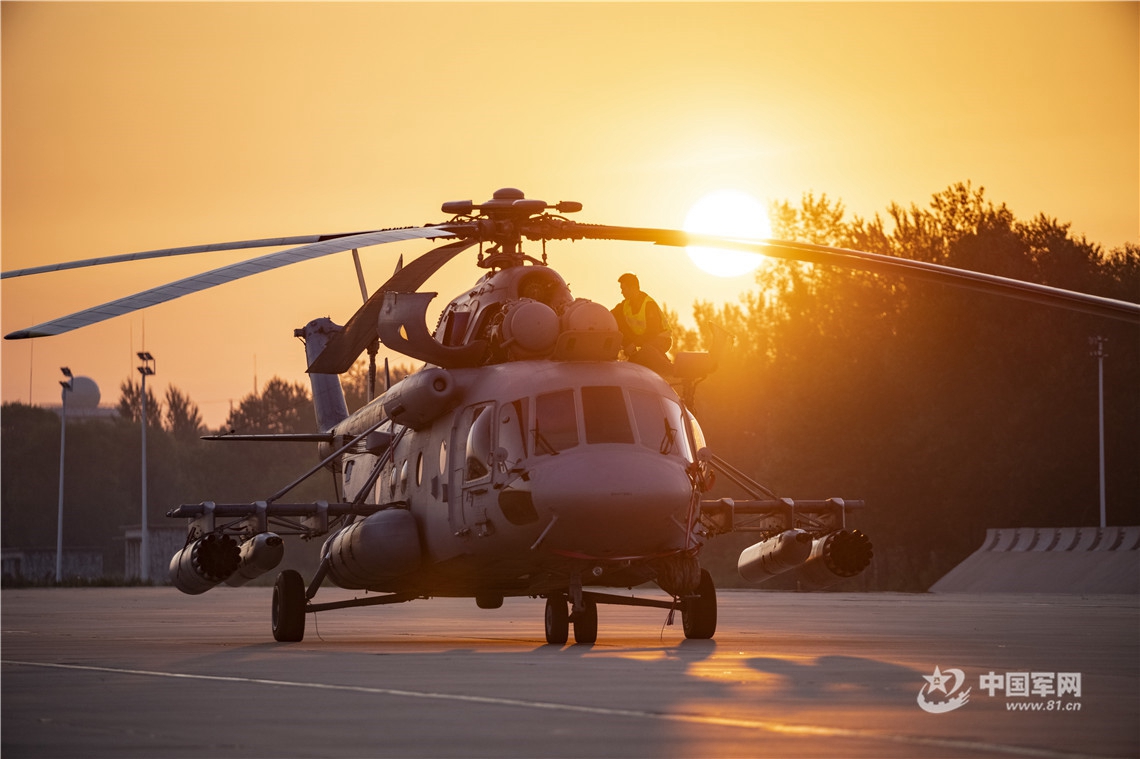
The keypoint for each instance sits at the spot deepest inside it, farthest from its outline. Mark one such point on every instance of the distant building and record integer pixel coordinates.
(38, 564)
(162, 544)
(75, 413)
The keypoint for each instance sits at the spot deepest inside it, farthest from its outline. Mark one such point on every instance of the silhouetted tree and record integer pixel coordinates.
(355, 380)
(130, 404)
(684, 339)
(281, 407)
(183, 419)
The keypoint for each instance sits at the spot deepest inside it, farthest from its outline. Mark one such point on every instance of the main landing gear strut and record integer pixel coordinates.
(292, 601)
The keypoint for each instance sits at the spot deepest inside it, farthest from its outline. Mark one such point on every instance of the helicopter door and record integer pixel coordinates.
(472, 466)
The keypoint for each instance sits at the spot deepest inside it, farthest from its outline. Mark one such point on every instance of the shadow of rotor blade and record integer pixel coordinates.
(361, 330)
(185, 250)
(880, 264)
(221, 276)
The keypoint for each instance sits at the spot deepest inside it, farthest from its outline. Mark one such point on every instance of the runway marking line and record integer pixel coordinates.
(698, 719)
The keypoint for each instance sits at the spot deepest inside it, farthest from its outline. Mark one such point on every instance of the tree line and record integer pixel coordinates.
(947, 411)
(103, 475)
(281, 406)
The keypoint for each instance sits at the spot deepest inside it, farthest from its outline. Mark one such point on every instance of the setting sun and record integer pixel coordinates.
(729, 213)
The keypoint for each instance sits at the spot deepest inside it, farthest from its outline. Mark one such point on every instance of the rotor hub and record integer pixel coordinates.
(505, 220)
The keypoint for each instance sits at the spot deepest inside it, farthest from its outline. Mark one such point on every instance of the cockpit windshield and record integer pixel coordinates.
(603, 410)
(659, 423)
(608, 414)
(555, 422)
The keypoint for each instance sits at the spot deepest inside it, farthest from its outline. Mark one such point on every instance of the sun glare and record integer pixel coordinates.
(729, 213)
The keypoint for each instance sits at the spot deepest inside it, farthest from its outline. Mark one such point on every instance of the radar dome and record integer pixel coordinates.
(84, 393)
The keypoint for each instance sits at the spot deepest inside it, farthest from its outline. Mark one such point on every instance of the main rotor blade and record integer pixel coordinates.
(880, 264)
(344, 348)
(268, 242)
(221, 276)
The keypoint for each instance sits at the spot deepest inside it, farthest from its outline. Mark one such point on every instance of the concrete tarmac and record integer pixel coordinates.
(149, 672)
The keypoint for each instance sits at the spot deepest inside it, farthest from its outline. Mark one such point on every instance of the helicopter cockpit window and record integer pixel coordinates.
(605, 414)
(652, 426)
(513, 419)
(678, 440)
(478, 455)
(698, 433)
(555, 423)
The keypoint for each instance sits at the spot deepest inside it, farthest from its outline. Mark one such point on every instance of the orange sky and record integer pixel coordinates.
(134, 126)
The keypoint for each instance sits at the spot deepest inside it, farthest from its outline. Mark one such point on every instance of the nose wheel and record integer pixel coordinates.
(557, 620)
(586, 623)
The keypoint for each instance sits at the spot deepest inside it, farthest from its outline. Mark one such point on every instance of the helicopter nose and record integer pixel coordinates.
(613, 503)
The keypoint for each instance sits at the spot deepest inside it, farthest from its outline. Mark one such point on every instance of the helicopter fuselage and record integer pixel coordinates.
(541, 470)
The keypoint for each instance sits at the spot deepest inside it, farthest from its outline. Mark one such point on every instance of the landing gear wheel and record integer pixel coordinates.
(698, 614)
(557, 620)
(586, 623)
(289, 607)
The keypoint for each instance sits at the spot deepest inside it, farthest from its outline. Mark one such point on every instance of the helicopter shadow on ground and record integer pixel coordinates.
(616, 680)
(491, 697)
(633, 670)
(839, 678)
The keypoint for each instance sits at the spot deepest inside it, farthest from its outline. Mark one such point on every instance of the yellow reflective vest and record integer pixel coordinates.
(637, 321)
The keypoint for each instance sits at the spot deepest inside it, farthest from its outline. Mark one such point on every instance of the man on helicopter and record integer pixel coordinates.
(645, 336)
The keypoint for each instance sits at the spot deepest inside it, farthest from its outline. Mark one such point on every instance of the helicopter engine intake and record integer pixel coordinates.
(529, 329)
(374, 550)
(204, 563)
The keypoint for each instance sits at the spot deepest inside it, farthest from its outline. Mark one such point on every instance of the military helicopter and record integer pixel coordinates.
(525, 458)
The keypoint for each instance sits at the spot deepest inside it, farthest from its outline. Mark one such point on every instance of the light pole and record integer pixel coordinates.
(67, 386)
(146, 370)
(1096, 345)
